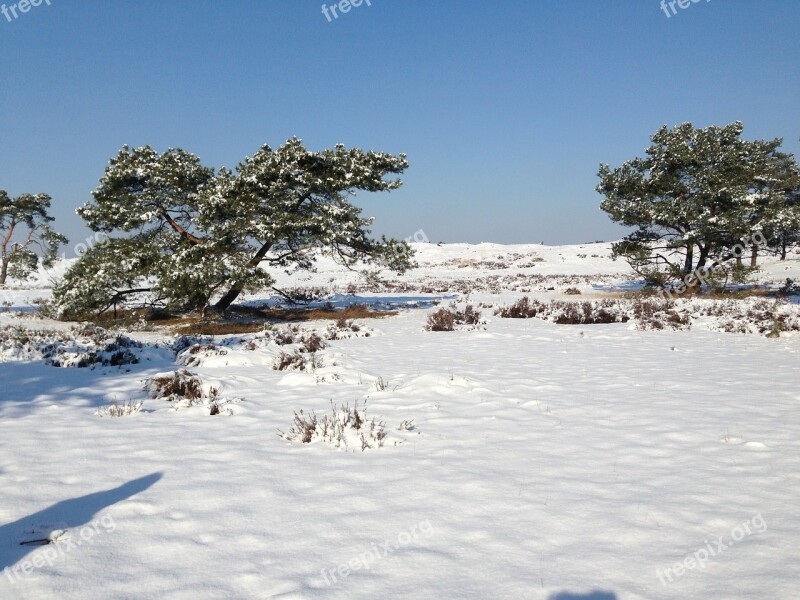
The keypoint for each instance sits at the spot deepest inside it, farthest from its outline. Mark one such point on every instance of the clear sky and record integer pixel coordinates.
(505, 108)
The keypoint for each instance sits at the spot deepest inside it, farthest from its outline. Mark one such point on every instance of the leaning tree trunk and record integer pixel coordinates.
(229, 297)
(238, 286)
(704, 252)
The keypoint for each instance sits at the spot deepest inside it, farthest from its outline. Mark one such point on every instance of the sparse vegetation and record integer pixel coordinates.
(447, 319)
(79, 347)
(789, 288)
(179, 386)
(195, 354)
(120, 410)
(648, 313)
(344, 428)
(567, 313)
(441, 320)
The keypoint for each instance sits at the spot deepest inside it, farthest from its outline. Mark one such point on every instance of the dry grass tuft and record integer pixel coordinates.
(120, 410)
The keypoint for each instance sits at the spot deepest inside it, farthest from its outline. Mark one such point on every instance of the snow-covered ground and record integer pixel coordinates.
(543, 461)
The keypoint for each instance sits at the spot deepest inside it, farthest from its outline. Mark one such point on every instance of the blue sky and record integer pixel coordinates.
(505, 109)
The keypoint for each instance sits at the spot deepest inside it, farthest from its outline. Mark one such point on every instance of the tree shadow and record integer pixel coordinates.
(593, 595)
(67, 514)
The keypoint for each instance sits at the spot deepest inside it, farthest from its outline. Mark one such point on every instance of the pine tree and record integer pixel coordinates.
(186, 234)
(26, 237)
(696, 194)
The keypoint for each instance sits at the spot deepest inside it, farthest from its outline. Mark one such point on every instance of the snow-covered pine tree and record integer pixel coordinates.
(696, 194)
(26, 237)
(782, 227)
(187, 235)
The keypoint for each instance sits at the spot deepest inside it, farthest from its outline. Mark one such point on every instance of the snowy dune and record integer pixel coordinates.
(545, 461)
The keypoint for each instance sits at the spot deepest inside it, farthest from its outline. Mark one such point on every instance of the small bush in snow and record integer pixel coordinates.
(343, 428)
(345, 329)
(194, 355)
(176, 386)
(445, 319)
(521, 309)
(120, 410)
(313, 343)
(297, 361)
(284, 337)
(651, 313)
(789, 288)
(441, 320)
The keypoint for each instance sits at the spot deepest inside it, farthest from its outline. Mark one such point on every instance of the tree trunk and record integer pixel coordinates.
(688, 263)
(236, 289)
(4, 271)
(6, 255)
(783, 248)
(704, 250)
(754, 257)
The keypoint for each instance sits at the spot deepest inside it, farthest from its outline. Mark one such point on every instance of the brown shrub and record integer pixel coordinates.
(179, 385)
(524, 308)
(441, 320)
(447, 319)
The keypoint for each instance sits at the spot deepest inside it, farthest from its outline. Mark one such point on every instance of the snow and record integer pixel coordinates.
(544, 461)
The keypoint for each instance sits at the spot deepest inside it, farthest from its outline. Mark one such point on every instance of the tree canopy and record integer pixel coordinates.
(184, 234)
(26, 237)
(697, 193)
